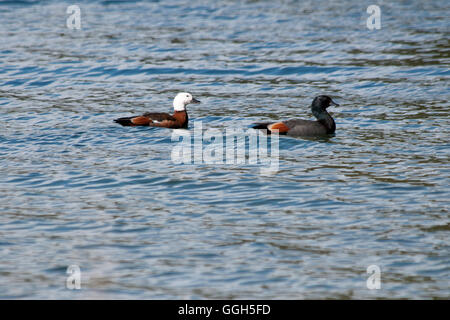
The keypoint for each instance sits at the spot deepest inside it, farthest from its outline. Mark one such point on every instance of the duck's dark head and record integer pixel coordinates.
(323, 102)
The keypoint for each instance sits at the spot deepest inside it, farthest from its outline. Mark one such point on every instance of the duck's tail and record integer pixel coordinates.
(261, 126)
(280, 127)
(124, 121)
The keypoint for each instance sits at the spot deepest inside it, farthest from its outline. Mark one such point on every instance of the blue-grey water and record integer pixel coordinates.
(78, 189)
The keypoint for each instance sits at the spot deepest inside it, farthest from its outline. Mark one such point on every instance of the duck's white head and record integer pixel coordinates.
(182, 100)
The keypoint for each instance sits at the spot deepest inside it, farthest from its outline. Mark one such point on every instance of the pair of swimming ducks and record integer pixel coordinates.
(294, 127)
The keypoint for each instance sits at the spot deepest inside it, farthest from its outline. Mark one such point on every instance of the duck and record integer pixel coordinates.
(324, 125)
(178, 120)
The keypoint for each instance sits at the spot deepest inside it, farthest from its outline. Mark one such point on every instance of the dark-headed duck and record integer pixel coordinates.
(178, 120)
(299, 127)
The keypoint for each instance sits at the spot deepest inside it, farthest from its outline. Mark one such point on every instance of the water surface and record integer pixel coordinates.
(77, 189)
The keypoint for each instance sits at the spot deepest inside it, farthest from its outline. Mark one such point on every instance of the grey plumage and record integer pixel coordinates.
(298, 127)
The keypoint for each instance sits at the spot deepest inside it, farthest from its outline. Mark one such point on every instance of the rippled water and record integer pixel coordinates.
(77, 189)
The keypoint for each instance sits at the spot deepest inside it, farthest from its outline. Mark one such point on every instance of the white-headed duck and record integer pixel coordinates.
(178, 120)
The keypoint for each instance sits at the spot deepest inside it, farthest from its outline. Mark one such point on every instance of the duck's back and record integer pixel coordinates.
(300, 127)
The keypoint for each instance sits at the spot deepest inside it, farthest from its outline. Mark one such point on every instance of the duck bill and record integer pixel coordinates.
(195, 100)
